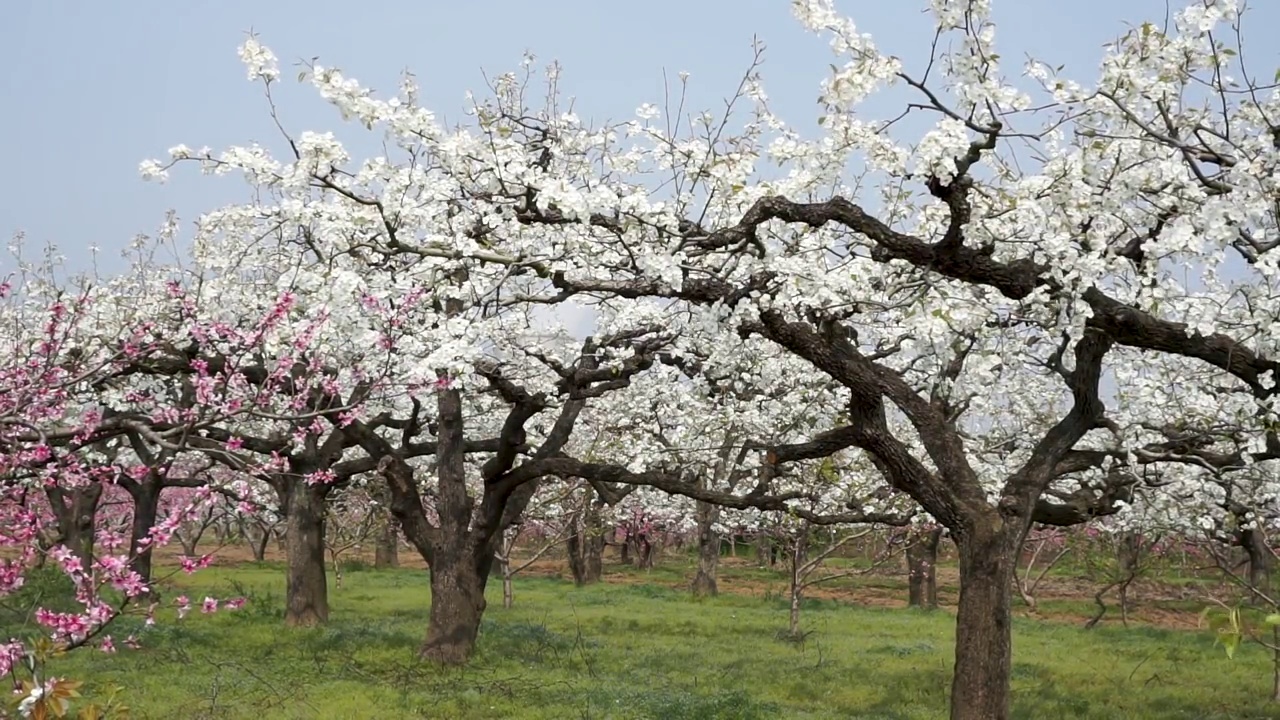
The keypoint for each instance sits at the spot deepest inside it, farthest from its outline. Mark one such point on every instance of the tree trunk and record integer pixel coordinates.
(386, 553)
(457, 604)
(508, 590)
(77, 511)
(624, 549)
(980, 688)
(189, 541)
(793, 626)
(259, 545)
(595, 547)
(79, 539)
(704, 582)
(1260, 559)
(1275, 664)
(306, 587)
(585, 545)
(799, 555)
(146, 507)
(1130, 561)
(922, 563)
(644, 552)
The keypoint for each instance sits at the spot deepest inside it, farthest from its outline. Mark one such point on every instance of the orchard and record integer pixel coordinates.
(1007, 355)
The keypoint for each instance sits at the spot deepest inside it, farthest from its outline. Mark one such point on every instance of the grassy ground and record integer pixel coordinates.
(639, 648)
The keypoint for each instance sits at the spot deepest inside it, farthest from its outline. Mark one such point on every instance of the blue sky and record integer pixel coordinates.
(90, 89)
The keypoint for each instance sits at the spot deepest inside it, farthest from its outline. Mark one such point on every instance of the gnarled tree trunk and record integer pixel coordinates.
(386, 553)
(76, 511)
(458, 578)
(704, 582)
(585, 544)
(1260, 559)
(306, 586)
(922, 563)
(146, 507)
(980, 687)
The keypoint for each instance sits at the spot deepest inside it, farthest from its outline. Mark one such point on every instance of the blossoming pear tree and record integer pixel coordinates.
(1031, 280)
(499, 387)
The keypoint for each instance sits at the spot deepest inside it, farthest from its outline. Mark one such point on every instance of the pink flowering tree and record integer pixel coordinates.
(65, 417)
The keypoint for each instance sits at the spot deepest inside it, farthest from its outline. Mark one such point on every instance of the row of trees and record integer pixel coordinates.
(986, 326)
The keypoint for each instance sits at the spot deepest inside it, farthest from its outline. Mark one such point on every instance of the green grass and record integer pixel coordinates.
(638, 651)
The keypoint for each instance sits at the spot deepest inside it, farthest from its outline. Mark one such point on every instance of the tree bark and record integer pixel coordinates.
(77, 512)
(508, 587)
(704, 582)
(624, 548)
(980, 687)
(386, 553)
(644, 552)
(922, 564)
(457, 604)
(146, 507)
(799, 556)
(1130, 561)
(1260, 559)
(258, 545)
(595, 545)
(306, 586)
(189, 541)
(585, 543)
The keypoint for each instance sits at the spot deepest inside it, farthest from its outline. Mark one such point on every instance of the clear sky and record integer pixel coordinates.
(90, 89)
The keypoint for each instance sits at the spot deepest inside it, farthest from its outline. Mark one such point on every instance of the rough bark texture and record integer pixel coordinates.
(386, 553)
(457, 605)
(980, 687)
(1260, 559)
(704, 581)
(624, 550)
(585, 544)
(306, 585)
(922, 564)
(76, 511)
(146, 506)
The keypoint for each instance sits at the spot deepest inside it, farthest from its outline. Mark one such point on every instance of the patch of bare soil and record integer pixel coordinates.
(884, 589)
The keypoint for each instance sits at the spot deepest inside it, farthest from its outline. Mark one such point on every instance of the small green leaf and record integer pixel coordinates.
(1229, 643)
(1272, 619)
